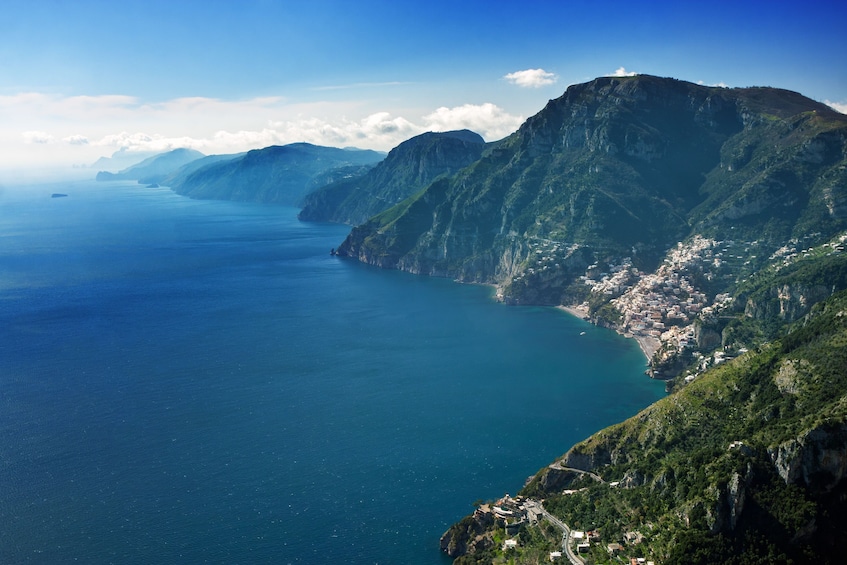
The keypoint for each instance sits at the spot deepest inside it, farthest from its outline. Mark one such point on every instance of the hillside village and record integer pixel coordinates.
(665, 309)
(511, 516)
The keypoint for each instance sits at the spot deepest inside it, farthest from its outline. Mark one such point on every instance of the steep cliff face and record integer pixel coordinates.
(816, 460)
(407, 169)
(623, 167)
(788, 302)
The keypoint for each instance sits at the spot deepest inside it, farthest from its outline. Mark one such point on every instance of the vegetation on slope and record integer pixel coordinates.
(628, 167)
(407, 169)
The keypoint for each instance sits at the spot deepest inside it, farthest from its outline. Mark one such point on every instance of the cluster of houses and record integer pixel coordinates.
(514, 512)
(667, 298)
(663, 305)
(518, 511)
(794, 249)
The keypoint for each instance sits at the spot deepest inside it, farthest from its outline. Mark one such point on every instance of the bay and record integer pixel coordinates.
(191, 381)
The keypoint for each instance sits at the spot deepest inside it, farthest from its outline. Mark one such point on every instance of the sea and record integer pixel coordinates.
(188, 381)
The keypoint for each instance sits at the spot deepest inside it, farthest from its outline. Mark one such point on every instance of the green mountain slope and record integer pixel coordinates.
(407, 169)
(624, 167)
(278, 174)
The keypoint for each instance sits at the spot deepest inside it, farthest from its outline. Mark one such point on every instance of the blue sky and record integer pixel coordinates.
(81, 79)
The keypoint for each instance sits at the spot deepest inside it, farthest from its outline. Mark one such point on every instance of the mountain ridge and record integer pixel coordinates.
(586, 151)
(280, 174)
(155, 168)
(407, 169)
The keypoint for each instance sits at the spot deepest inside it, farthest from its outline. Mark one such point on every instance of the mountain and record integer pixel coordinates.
(153, 169)
(278, 174)
(622, 167)
(178, 176)
(407, 169)
(120, 159)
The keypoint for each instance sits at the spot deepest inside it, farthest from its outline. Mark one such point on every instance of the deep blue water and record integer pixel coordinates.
(192, 381)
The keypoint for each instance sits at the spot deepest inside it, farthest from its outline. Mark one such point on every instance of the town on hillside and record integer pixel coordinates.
(512, 514)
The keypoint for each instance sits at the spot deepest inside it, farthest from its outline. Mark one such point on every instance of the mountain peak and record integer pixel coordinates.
(406, 170)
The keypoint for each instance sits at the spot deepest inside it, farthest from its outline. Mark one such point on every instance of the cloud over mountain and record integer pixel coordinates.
(90, 123)
(622, 72)
(531, 78)
(837, 106)
(489, 120)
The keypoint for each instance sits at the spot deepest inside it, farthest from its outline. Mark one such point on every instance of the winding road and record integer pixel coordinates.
(566, 531)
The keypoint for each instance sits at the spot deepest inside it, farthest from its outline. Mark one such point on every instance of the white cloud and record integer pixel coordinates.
(379, 130)
(76, 140)
(837, 106)
(488, 120)
(622, 72)
(41, 129)
(720, 84)
(38, 137)
(531, 78)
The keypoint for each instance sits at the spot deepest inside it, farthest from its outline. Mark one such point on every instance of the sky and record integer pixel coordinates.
(82, 79)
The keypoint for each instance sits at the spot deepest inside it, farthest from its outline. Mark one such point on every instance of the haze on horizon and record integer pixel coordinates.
(81, 80)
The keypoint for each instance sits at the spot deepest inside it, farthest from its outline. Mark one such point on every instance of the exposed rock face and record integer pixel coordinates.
(707, 337)
(789, 301)
(468, 536)
(587, 461)
(816, 460)
(789, 377)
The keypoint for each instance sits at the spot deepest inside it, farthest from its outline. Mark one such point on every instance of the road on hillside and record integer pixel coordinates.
(566, 531)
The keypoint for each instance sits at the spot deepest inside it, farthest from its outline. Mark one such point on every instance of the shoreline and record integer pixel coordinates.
(648, 344)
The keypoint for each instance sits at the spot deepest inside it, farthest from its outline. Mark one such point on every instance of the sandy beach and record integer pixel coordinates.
(649, 345)
(577, 311)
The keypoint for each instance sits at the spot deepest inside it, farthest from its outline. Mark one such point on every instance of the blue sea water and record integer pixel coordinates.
(191, 381)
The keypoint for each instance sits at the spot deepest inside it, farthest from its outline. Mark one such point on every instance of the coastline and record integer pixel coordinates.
(649, 345)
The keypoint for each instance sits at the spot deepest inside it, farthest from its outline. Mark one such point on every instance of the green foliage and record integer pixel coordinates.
(407, 170)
